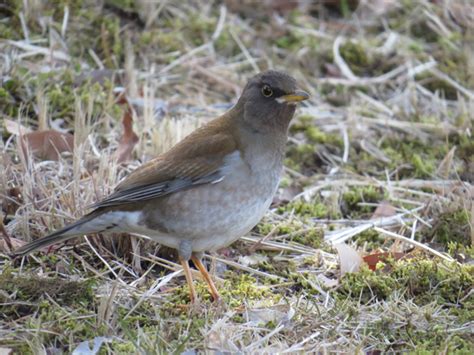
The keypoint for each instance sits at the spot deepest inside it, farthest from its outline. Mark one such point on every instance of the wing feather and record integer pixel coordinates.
(199, 159)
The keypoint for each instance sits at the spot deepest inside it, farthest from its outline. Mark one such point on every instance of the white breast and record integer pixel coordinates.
(214, 215)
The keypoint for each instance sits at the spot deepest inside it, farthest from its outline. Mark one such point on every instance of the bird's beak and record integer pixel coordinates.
(295, 97)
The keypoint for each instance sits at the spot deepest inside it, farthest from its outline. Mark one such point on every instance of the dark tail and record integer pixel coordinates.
(70, 231)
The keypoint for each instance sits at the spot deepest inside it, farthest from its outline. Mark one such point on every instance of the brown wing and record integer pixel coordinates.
(199, 159)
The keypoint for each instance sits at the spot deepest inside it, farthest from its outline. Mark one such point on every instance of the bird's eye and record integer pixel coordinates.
(267, 91)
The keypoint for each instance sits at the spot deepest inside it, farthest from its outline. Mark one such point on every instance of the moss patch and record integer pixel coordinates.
(367, 194)
(34, 288)
(421, 279)
(452, 226)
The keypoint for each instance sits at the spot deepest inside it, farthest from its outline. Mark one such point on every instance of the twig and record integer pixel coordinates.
(442, 76)
(245, 51)
(104, 261)
(413, 242)
(65, 21)
(342, 65)
(220, 23)
(54, 54)
(159, 283)
(5, 235)
(249, 269)
(347, 145)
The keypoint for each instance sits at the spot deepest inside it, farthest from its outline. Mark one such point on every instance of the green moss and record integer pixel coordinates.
(238, 289)
(466, 147)
(313, 134)
(6, 32)
(200, 29)
(367, 284)
(423, 280)
(303, 208)
(438, 85)
(299, 232)
(460, 251)
(313, 238)
(423, 167)
(166, 41)
(281, 229)
(370, 238)
(290, 41)
(34, 288)
(421, 156)
(300, 157)
(422, 30)
(303, 157)
(126, 5)
(51, 304)
(356, 195)
(452, 226)
(355, 56)
(408, 338)
(225, 45)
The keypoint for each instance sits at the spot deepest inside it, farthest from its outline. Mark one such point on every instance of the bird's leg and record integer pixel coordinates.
(184, 252)
(189, 279)
(212, 288)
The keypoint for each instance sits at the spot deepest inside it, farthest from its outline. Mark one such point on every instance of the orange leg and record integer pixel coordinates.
(189, 279)
(207, 277)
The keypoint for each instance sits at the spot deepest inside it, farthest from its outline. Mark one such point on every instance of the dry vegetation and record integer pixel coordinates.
(380, 158)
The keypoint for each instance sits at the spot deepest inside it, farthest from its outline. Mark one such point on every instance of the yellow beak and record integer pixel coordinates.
(297, 96)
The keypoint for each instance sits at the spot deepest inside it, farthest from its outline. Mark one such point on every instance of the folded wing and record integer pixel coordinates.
(199, 159)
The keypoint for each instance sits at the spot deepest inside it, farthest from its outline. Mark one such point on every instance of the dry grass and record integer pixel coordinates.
(389, 123)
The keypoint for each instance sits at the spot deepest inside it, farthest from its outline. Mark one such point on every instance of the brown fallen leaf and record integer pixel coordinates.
(15, 244)
(47, 145)
(446, 165)
(11, 201)
(129, 138)
(326, 281)
(7, 243)
(332, 70)
(285, 195)
(259, 9)
(372, 259)
(384, 209)
(461, 13)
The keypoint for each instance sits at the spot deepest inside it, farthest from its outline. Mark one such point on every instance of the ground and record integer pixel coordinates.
(380, 159)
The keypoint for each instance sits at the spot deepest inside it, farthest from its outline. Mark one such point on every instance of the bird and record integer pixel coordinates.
(209, 189)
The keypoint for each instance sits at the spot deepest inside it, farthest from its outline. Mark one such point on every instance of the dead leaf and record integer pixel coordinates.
(471, 225)
(12, 201)
(253, 259)
(285, 195)
(15, 128)
(384, 209)
(15, 243)
(349, 258)
(372, 259)
(129, 138)
(258, 8)
(276, 314)
(100, 76)
(446, 164)
(461, 13)
(332, 70)
(47, 145)
(377, 8)
(326, 281)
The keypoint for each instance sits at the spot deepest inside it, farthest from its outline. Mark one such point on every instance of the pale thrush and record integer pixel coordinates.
(208, 190)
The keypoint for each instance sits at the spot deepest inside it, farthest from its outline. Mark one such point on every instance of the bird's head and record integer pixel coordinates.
(268, 102)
